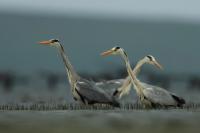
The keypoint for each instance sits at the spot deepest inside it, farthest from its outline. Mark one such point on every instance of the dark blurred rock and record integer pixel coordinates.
(8, 81)
(52, 81)
(194, 82)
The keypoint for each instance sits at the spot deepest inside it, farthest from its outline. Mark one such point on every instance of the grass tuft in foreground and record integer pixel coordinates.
(52, 107)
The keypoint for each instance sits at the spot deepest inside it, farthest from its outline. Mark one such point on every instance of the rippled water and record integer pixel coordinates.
(99, 121)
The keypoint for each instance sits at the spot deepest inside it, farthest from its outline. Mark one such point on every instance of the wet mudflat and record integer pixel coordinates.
(99, 121)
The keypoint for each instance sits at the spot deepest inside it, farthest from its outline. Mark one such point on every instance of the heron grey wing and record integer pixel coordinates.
(158, 95)
(110, 86)
(91, 92)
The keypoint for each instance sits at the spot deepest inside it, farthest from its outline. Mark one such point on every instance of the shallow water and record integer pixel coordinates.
(99, 121)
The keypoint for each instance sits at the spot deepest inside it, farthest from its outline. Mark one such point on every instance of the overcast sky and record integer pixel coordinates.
(187, 10)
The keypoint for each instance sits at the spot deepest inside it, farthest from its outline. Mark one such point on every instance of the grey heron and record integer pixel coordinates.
(83, 90)
(150, 96)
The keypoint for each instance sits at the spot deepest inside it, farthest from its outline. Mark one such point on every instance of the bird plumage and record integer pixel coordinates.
(93, 94)
(150, 96)
(83, 90)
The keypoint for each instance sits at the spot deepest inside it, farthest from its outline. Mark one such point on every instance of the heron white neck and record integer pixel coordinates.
(134, 80)
(72, 75)
(128, 66)
(138, 66)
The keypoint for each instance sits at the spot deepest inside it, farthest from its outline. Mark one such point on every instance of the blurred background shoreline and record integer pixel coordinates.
(30, 72)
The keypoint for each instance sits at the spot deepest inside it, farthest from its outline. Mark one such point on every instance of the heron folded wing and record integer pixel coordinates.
(180, 101)
(110, 84)
(92, 93)
(158, 95)
(118, 87)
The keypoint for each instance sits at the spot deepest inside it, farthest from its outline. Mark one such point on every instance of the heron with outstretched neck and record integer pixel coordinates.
(83, 90)
(126, 83)
(150, 96)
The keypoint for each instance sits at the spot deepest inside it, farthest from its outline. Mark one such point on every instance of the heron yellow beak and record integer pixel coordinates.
(106, 53)
(45, 42)
(158, 65)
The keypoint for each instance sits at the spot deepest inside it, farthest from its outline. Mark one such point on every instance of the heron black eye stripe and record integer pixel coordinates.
(149, 57)
(55, 40)
(117, 48)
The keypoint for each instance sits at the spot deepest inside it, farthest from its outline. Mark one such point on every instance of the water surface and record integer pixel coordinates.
(99, 121)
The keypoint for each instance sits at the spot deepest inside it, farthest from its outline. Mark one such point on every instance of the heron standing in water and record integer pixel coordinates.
(83, 90)
(150, 96)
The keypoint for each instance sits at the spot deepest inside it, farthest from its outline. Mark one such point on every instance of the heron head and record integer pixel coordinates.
(151, 60)
(51, 42)
(114, 51)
